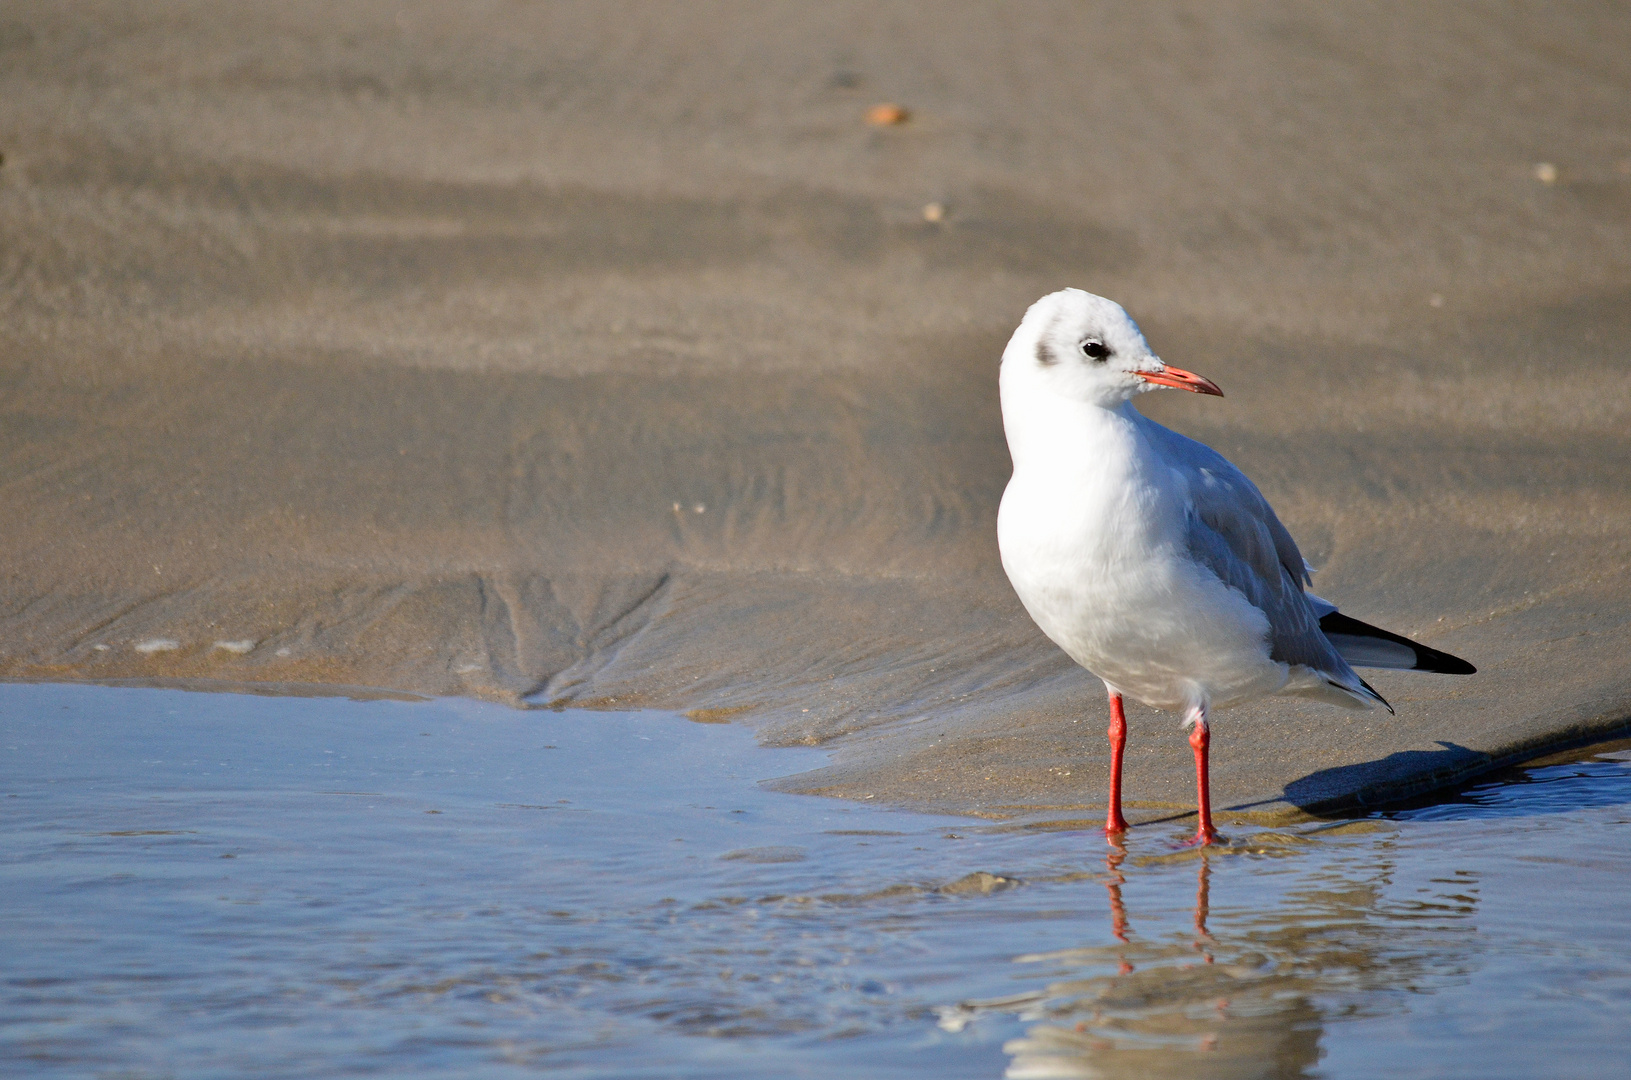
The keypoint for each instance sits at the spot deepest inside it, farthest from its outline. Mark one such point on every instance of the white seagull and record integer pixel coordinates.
(1147, 557)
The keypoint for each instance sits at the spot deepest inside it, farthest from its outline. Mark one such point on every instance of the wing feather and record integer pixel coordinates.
(1233, 532)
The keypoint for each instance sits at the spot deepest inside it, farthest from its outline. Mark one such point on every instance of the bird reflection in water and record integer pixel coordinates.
(1114, 879)
(1170, 996)
(1166, 1009)
(1203, 891)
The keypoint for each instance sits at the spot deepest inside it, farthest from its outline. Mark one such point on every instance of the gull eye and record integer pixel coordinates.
(1095, 350)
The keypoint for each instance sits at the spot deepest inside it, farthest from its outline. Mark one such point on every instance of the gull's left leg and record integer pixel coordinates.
(1200, 737)
(1114, 823)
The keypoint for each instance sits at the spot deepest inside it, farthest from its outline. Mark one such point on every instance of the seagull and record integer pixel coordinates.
(1151, 560)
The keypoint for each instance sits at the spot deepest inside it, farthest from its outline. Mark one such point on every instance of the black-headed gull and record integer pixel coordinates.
(1153, 562)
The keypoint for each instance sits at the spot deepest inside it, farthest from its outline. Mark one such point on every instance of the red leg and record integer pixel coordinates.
(1200, 738)
(1113, 821)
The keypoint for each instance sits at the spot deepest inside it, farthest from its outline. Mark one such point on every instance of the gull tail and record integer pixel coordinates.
(1364, 645)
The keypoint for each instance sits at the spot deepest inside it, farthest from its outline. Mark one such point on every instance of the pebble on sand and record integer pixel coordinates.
(888, 114)
(1546, 172)
(934, 213)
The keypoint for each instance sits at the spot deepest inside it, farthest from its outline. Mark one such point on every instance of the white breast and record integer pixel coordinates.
(1091, 530)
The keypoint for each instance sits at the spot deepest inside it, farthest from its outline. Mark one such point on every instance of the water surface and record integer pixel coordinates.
(219, 885)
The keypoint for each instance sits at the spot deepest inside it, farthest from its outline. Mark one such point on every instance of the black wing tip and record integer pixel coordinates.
(1427, 659)
(1443, 663)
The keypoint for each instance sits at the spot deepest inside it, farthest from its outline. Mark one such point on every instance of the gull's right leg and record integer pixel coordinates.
(1113, 821)
(1200, 738)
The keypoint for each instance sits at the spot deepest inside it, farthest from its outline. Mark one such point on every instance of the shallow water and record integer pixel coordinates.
(202, 884)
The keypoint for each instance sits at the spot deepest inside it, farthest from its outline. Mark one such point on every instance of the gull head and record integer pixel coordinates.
(1075, 345)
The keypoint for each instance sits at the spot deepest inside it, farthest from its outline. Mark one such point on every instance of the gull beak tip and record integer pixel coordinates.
(1179, 379)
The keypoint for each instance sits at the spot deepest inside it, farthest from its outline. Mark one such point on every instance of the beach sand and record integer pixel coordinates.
(606, 355)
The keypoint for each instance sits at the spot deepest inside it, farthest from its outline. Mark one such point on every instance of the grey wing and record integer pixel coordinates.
(1234, 532)
(1295, 636)
(1231, 503)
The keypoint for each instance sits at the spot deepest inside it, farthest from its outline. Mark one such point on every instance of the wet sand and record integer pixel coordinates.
(602, 355)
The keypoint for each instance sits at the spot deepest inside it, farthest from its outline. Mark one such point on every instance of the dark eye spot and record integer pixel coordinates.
(1095, 350)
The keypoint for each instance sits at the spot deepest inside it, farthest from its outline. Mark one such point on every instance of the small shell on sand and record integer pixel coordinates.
(157, 645)
(887, 114)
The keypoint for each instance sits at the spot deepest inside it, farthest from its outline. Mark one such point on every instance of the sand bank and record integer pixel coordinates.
(581, 355)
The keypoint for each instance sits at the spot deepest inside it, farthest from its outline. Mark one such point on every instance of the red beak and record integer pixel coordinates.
(1179, 379)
